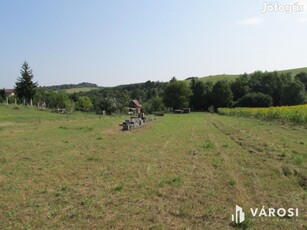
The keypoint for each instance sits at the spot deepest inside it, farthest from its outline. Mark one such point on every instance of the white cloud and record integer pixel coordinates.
(251, 21)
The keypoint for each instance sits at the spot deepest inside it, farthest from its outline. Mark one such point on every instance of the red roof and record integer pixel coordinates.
(137, 103)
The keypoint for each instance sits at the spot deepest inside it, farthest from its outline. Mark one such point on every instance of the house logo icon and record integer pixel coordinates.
(239, 216)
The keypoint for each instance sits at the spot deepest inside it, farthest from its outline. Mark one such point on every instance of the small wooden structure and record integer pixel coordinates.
(135, 107)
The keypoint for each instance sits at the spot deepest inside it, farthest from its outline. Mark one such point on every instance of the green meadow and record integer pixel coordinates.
(180, 171)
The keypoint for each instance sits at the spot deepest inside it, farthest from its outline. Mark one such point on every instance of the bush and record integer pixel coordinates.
(255, 100)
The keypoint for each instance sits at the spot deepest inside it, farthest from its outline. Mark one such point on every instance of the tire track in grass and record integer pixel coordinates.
(242, 194)
(270, 186)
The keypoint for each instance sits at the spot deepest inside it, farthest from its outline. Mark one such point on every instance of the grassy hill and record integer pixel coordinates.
(215, 78)
(229, 77)
(294, 71)
(81, 89)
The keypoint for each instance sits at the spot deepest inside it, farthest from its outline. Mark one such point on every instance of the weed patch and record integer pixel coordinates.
(172, 181)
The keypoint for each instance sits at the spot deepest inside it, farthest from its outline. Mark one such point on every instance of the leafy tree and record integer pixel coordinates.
(84, 103)
(155, 104)
(25, 87)
(124, 99)
(270, 83)
(41, 96)
(106, 104)
(201, 98)
(51, 99)
(2, 95)
(173, 79)
(293, 93)
(193, 82)
(177, 95)
(240, 87)
(256, 100)
(221, 94)
(208, 94)
(63, 102)
(138, 94)
(302, 77)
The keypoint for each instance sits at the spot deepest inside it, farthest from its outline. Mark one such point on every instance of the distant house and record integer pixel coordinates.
(9, 93)
(135, 106)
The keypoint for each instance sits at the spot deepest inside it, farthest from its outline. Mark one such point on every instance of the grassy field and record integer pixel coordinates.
(177, 172)
(83, 89)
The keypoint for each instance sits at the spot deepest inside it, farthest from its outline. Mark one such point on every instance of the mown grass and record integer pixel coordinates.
(177, 172)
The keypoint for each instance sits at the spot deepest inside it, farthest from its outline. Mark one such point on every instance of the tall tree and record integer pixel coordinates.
(177, 95)
(200, 99)
(240, 87)
(2, 93)
(84, 103)
(293, 93)
(302, 77)
(269, 83)
(25, 87)
(221, 94)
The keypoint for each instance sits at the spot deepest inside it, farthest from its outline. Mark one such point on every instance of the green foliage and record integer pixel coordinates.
(302, 77)
(154, 105)
(269, 83)
(255, 100)
(177, 95)
(84, 103)
(240, 87)
(1, 99)
(293, 93)
(63, 101)
(2, 94)
(118, 187)
(171, 181)
(208, 145)
(221, 94)
(232, 182)
(107, 104)
(25, 87)
(54, 100)
(201, 98)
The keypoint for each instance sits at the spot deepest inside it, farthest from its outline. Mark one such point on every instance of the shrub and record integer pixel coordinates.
(255, 100)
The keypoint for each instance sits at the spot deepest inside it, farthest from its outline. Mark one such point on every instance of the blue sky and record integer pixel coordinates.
(127, 41)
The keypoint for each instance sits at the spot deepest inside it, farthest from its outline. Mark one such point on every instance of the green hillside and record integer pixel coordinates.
(294, 71)
(215, 78)
(229, 77)
(81, 89)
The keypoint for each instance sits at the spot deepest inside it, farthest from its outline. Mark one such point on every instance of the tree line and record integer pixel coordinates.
(259, 89)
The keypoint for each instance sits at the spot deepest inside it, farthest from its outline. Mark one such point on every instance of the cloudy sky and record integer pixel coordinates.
(126, 41)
